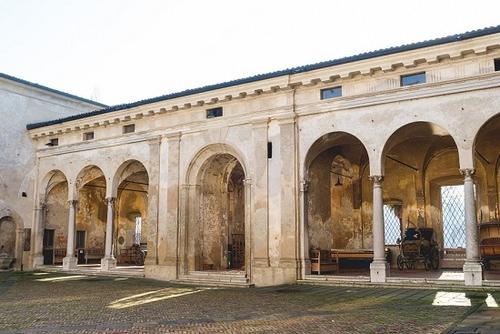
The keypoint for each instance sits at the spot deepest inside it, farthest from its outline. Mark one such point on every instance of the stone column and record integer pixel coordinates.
(247, 183)
(37, 235)
(304, 235)
(473, 271)
(379, 269)
(70, 261)
(109, 261)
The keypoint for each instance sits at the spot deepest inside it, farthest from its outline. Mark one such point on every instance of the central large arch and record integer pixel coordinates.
(216, 233)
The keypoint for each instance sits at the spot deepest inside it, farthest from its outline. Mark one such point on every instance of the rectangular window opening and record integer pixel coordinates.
(392, 223)
(413, 79)
(214, 112)
(138, 226)
(53, 142)
(497, 64)
(88, 135)
(129, 128)
(330, 93)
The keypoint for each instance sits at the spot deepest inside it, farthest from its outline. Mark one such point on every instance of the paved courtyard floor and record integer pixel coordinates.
(43, 302)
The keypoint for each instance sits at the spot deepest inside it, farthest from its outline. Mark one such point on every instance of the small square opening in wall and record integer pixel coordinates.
(497, 64)
(330, 93)
(53, 142)
(24, 194)
(413, 79)
(214, 112)
(129, 128)
(88, 135)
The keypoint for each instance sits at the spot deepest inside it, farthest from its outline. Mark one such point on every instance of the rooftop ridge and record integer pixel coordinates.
(51, 90)
(289, 71)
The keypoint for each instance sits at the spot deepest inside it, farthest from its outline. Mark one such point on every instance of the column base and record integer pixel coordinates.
(473, 274)
(37, 261)
(379, 271)
(69, 263)
(108, 263)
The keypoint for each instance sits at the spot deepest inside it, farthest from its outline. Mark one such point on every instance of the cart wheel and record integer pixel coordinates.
(427, 264)
(434, 259)
(410, 264)
(401, 262)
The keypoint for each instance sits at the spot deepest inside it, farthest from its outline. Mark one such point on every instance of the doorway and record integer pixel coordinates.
(48, 247)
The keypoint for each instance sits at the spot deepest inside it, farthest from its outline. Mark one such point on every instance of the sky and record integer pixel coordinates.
(120, 51)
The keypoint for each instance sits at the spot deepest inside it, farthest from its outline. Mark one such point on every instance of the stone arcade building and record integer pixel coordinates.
(250, 175)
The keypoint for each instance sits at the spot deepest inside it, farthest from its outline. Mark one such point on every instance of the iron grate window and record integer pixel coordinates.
(452, 205)
(392, 224)
(413, 79)
(214, 112)
(330, 93)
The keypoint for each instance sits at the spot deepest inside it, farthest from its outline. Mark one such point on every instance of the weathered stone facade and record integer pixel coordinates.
(282, 168)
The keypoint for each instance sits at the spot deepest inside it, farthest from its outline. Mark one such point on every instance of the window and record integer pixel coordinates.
(88, 135)
(53, 142)
(497, 64)
(413, 79)
(214, 112)
(453, 211)
(129, 128)
(392, 223)
(330, 93)
(138, 224)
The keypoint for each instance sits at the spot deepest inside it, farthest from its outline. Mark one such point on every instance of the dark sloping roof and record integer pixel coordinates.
(51, 90)
(289, 71)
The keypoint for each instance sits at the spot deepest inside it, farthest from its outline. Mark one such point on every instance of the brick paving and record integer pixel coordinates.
(61, 303)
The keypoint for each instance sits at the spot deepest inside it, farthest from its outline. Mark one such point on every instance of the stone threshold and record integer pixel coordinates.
(399, 282)
(216, 278)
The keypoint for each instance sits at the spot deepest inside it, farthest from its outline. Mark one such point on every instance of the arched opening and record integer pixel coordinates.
(91, 214)
(487, 178)
(422, 173)
(338, 203)
(217, 232)
(131, 227)
(55, 218)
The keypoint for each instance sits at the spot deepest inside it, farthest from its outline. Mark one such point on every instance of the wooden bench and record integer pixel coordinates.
(322, 261)
(93, 254)
(59, 254)
(351, 254)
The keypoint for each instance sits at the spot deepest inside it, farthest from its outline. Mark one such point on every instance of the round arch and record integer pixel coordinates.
(86, 174)
(49, 181)
(412, 130)
(124, 170)
(198, 160)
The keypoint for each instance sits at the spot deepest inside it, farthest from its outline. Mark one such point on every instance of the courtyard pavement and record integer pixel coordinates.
(47, 302)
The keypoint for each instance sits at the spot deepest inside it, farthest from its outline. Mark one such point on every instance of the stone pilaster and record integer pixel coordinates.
(153, 172)
(260, 228)
(70, 260)
(37, 235)
(288, 203)
(109, 261)
(473, 272)
(379, 268)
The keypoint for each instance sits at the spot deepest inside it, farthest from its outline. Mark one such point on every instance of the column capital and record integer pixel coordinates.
(174, 136)
(467, 172)
(376, 179)
(110, 200)
(73, 202)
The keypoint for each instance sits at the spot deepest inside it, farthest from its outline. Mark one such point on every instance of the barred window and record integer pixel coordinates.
(392, 223)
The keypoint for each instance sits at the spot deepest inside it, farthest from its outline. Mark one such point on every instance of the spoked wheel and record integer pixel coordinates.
(401, 262)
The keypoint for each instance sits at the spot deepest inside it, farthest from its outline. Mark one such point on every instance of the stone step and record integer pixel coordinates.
(218, 281)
